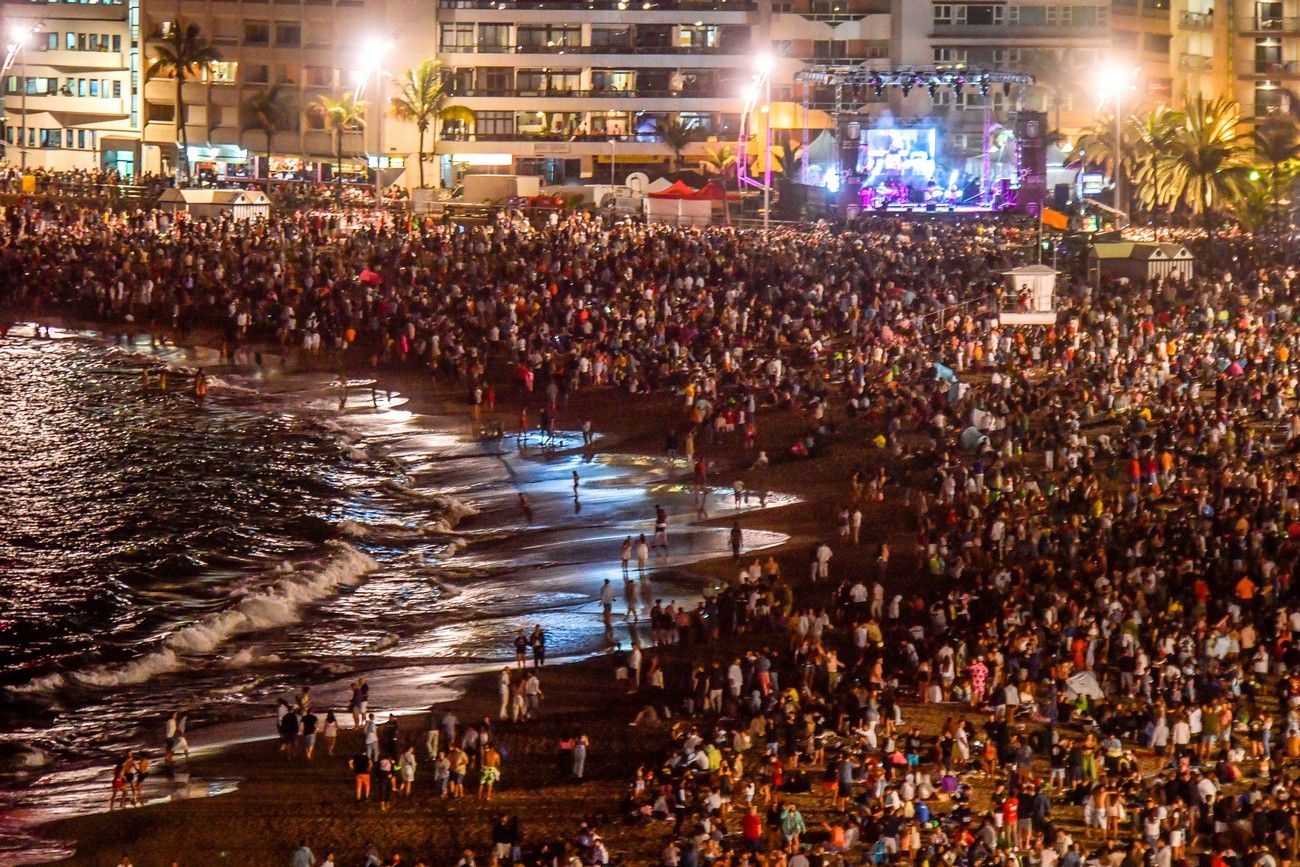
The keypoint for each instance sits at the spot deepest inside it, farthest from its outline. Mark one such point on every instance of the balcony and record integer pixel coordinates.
(602, 5)
(641, 93)
(1195, 62)
(1055, 32)
(64, 59)
(1269, 25)
(58, 104)
(1277, 69)
(587, 50)
(1197, 20)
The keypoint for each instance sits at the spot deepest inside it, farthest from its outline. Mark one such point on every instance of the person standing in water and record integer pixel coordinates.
(526, 507)
(625, 554)
(538, 641)
(661, 529)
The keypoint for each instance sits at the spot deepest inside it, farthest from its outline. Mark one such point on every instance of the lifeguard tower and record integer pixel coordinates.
(1029, 297)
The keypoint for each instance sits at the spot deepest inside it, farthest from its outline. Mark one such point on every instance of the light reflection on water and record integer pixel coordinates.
(130, 514)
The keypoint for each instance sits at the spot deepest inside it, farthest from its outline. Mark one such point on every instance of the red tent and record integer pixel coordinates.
(710, 192)
(678, 190)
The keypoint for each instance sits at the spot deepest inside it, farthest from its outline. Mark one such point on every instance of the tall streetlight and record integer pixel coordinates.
(20, 36)
(1113, 81)
(763, 68)
(372, 59)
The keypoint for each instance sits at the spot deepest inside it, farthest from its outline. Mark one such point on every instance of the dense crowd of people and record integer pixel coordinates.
(1106, 512)
(1086, 658)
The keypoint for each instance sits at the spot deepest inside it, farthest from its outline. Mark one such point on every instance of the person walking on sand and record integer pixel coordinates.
(533, 693)
(538, 642)
(303, 856)
(360, 701)
(330, 732)
(360, 765)
(503, 692)
(489, 773)
(521, 649)
(579, 755)
(642, 552)
(607, 601)
(310, 728)
(625, 553)
(629, 598)
(406, 772)
(661, 528)
(371, 736)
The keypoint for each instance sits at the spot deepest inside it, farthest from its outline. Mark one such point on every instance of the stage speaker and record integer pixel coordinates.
(930, 207)
(1061, 196)
(1031, 138)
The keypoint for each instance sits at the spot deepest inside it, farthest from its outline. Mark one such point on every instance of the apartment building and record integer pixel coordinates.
(306, 49)
(71, 94)
(1245, 49)
(1142, 31)
(1059, 43)
(1262, 57)
(584, 88)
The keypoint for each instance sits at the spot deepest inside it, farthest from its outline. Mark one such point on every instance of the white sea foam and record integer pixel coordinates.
(277, 605)
(227, 385)
(453, 509)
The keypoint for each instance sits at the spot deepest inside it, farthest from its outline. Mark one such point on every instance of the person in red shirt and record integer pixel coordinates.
(751, 830)
(1010, 813)
(1201, 590)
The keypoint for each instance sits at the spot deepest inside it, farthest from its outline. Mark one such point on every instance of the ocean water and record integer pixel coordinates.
(161, 554)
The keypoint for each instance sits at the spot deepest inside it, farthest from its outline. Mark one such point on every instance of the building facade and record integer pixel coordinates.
(304, 50)
(591, 89)
(72, 87)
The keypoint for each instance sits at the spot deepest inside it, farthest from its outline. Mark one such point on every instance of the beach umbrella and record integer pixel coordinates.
(368, 276)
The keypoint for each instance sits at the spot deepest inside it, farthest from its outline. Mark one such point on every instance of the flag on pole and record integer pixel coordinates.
(1055, 220)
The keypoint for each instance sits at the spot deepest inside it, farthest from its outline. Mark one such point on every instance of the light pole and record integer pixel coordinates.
(20, 37)
(613, 157)
(764, 66)
(1112, 81)
(373, 53)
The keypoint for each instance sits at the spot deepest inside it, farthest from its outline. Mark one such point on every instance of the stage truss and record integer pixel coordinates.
(862, 77)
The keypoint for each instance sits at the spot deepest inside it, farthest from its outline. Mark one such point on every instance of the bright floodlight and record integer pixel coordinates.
(374, 49)
(763, 63)
(1114, 78)
(20, 34)
(750, 93)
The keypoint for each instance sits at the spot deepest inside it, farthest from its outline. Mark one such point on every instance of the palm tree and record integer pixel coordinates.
(420, 100)
(677, 136)
(180, 51)
(720, 162)
(341, 115)
(1277, 142)
(1155, 134)
(266, 109)
(1210, 158)
(1097, 149)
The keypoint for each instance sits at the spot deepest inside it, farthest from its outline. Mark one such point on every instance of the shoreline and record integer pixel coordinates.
(432, 401)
